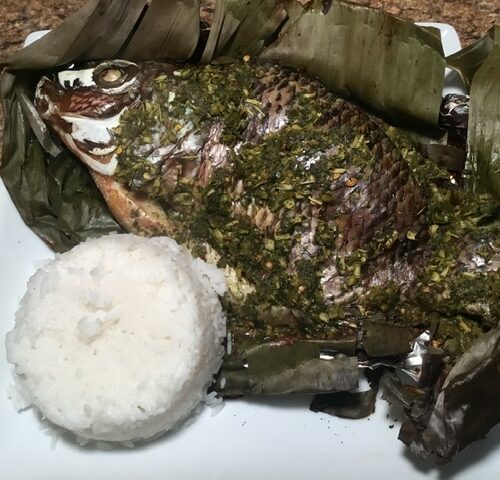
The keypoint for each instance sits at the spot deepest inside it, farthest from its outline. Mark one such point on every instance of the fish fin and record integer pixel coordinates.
(136, 214)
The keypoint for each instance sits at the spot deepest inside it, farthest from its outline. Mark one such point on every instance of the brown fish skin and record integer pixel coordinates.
(390, 192)
(378, 206)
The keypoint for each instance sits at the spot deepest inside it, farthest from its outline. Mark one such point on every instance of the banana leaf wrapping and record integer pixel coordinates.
(466, 402)
(387, 64)
(479, 67)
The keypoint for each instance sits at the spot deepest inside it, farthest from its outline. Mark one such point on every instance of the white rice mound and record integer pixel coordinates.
(119, 338)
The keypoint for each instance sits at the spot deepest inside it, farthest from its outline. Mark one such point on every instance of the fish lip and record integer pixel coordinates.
(83, 116)
(52, 86)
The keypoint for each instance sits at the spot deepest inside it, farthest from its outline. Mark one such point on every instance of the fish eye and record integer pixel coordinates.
(109, 77)
(116, 76)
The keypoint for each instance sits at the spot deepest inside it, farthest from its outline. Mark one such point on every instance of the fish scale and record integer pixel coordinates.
(391, 191)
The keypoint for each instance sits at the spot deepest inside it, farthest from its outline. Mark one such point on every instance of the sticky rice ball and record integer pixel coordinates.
(119, 338)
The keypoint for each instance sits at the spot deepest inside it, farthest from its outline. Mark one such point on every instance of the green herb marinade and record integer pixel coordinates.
(255, 212)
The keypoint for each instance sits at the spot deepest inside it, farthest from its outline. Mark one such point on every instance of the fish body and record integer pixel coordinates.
(325, 218)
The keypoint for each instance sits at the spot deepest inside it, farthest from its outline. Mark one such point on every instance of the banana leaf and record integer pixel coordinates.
(396, 61)
(479, 67)
(387, 64)
(241, 28)
(466, 62)
(466, 407)
(484, 124)
(167, 30)
(99, 30)
(350, 404)
(353, 405)
(384, 74)
(272, 369)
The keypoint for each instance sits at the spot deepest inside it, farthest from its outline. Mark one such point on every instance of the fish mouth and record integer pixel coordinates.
(48, 92)
(98, 156)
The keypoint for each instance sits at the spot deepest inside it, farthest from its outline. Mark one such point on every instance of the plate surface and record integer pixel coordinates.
(249, 439)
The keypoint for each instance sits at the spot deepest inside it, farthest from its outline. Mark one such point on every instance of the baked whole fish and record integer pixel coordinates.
(338, 237)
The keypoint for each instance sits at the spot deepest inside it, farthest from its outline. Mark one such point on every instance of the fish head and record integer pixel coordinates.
(84, 105)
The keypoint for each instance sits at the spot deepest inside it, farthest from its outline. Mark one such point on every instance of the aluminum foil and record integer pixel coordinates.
(411, 365)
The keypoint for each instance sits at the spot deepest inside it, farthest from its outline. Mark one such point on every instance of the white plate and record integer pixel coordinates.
(248, 439)
(451, 44)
